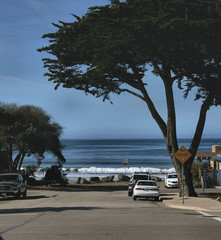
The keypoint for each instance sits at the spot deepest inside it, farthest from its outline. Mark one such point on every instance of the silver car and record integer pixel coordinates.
(12, 184)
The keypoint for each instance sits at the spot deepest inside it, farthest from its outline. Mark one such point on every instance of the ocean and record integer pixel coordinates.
(86, 158)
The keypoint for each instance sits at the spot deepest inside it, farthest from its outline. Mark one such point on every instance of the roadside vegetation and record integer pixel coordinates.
(28, 131)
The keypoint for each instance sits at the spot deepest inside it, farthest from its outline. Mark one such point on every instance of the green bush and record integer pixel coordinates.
(30, 170)
(195, 170)
(196, 183)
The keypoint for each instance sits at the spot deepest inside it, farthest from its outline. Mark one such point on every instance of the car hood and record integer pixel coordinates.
(7, 183)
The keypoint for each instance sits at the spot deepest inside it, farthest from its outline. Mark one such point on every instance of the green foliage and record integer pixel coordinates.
(30, 170)
(195, 168)
(114, 45)
(196, 183)
(28, 130)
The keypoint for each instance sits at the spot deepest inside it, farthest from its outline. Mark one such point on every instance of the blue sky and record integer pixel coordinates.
(22, 24)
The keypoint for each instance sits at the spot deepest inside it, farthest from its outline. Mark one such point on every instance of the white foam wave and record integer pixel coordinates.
(125, 170)
(73, 173)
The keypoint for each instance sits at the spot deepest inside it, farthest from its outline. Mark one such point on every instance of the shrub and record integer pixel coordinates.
(195, 170)
(196, 183)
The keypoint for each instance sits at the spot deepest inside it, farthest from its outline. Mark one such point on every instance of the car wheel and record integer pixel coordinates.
(156, 198)
(130, 193)
(134, 198)
(18, 194)
(24, 194)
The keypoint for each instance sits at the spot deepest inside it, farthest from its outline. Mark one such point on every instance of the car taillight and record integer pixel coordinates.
(139, 188)
(130, 181)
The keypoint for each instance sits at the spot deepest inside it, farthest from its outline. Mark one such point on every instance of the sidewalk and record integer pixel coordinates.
(201, 203)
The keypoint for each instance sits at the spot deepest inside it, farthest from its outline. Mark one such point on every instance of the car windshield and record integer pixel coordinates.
(172, 176)
(146, 183)
(8, 178)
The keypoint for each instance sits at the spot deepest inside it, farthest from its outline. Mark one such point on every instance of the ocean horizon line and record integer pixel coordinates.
(125, 139)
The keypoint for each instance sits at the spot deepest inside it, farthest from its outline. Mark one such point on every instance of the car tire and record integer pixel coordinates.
(134, 198)
(156, 198)
(18, 194)
(130, 193)
(24, 194)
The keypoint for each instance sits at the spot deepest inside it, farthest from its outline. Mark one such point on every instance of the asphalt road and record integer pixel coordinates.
(110, 215)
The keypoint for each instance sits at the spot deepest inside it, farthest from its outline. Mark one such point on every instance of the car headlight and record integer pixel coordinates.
(15, 187)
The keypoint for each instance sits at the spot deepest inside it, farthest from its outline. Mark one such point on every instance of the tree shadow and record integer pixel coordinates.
(167, 196)
(82, 188)
(11, 198)
(45, 209)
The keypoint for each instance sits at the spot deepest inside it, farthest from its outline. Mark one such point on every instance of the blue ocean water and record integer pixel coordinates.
(87, 158)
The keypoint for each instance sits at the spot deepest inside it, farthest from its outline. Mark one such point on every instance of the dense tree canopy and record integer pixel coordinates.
(28, 130)
(110, 49)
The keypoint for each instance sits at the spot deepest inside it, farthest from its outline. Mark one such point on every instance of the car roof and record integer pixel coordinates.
(141, 173)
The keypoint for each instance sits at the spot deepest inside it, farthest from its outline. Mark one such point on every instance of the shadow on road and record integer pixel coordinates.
(27, 198)
(167, 196)
(83, 188)
(44, 209)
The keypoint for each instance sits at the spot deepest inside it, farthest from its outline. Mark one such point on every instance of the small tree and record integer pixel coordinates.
(28, 130)
(110, 49)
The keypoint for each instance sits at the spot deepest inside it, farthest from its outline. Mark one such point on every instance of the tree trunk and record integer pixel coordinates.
(21, 161)
(169, 129)
(16, 161)
(187, 181)
(171, 139)
(10, 157)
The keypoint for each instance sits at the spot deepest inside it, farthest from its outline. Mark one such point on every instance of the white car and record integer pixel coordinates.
(146, 189)
(171, 180)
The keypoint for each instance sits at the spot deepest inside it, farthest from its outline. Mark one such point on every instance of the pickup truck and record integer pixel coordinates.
(12, 184)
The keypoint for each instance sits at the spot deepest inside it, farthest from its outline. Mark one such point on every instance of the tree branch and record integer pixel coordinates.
(133, 93)
(171, 115)
(156, 116)
(16, 161)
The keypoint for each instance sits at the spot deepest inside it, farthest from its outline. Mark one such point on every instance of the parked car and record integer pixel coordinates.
(55, 175)
(171, 180)
(12, 184)
(134, 178)
(146, 189)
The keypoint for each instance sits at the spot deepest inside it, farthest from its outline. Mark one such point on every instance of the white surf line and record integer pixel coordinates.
(209, 215)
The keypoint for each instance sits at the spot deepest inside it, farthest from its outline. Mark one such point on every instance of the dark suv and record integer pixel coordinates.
(134, 178)
(55, 175)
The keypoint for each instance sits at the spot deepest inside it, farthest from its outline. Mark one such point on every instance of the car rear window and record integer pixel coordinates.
(141, 177)
(172, 176)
